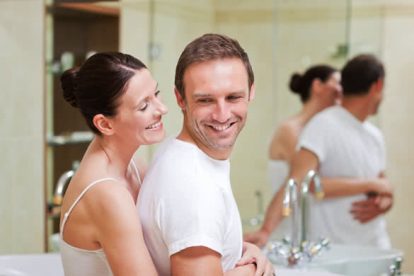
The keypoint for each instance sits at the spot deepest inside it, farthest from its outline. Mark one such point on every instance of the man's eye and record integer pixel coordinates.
(234, 98)
(204, 100)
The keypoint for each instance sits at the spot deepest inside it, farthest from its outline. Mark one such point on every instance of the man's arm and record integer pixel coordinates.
(302, 162)
(200, 260)
(375, 205)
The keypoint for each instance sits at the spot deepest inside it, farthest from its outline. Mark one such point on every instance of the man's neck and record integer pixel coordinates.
(214, 154)
(357, 106)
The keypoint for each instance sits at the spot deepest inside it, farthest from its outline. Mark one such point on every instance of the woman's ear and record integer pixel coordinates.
(103, 124)
(316, 86)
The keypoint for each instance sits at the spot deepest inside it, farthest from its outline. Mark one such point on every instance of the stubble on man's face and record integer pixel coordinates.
(216, 104)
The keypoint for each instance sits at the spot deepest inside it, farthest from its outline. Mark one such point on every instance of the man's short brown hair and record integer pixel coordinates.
(210, 47)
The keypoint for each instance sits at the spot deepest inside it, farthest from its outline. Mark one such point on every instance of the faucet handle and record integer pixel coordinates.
(286, 211)
(395, 268)
(319, 195)
(57, 200)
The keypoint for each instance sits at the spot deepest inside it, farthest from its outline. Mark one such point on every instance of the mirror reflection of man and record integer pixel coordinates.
(349, 154)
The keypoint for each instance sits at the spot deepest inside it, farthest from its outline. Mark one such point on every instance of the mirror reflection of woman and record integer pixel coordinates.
(318, 87)
(100, 230)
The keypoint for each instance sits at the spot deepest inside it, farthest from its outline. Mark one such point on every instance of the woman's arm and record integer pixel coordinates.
(119, 231)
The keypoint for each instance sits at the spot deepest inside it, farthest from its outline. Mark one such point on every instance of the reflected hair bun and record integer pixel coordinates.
(295, 83)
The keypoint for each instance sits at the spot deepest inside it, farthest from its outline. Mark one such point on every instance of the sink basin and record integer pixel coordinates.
(31, 265)
(353, 260)
(356, 260)
(50, 265)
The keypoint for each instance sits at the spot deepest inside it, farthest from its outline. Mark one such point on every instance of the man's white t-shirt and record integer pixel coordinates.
(347, 148)
(186, 200)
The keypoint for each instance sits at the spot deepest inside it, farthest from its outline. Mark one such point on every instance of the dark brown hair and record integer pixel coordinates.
(301, 84)
(210, 47)
(96, 86)
(360, 73)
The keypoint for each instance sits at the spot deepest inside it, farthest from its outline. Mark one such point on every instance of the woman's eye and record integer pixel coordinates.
(143, 107)
(157, 94)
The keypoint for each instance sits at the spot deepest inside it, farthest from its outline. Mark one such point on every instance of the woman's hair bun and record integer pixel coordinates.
(296, 83)
(68, 82)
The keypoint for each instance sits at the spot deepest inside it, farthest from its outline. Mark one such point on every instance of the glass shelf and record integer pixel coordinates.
(77, 137)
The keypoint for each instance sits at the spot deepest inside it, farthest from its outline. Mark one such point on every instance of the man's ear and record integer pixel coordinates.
(380, 84)
(179, 98)
(252, 92)
(103, 124)
(377, 86)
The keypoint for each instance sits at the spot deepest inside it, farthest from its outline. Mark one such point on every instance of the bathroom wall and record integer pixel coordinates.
(397, 121)
(22, 126)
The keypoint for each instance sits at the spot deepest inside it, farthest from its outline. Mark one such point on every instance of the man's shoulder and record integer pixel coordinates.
(173, 154)
(323, 121)
(373, 130)
(172, 164)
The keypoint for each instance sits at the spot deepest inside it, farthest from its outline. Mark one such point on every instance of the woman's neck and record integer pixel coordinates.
(309, 110)
(118, 156)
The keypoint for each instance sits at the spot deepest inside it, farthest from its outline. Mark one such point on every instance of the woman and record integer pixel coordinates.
(100, 230)
(319, 87)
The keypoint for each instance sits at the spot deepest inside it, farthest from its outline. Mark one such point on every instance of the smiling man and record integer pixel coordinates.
(190, 219)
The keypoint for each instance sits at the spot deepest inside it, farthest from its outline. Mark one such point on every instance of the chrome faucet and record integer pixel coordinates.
(297, 204)
(63, 181)
(305, 202)
(291, 208)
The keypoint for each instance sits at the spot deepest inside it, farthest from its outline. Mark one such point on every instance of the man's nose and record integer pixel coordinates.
(221, 112)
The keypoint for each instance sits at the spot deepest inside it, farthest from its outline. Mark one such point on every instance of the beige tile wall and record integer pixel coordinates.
(22, 126)
(398, 124)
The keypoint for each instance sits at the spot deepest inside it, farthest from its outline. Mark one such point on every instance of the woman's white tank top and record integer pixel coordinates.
(81, 262)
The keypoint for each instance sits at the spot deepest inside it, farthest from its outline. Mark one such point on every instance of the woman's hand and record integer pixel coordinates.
(253, 255)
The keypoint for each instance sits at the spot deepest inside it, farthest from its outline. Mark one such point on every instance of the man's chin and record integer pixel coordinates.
(222, 145)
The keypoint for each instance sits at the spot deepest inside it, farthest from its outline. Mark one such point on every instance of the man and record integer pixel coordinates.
(349, 154)
(190, 219)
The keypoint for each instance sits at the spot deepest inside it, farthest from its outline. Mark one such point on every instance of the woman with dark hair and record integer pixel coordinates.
(319, 87)
(100, 230)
